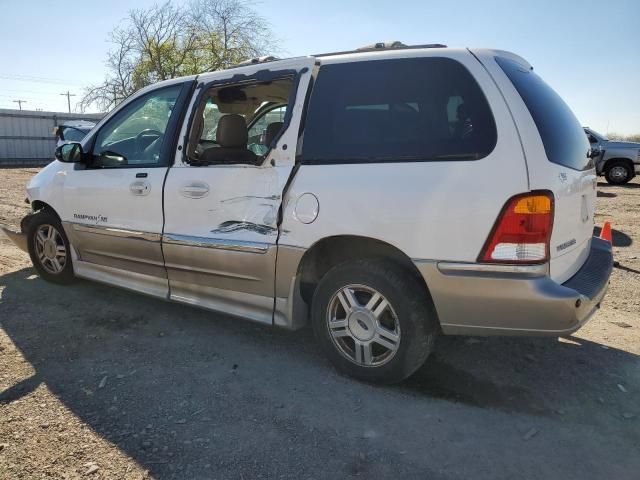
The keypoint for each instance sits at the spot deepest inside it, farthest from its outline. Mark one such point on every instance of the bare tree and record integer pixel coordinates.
(229, 32)
(165, 42)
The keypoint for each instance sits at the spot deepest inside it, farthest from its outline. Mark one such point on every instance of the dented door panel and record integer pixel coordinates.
(221, 222)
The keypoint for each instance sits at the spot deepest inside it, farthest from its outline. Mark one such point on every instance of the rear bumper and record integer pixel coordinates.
(19, 238)
(481, 301)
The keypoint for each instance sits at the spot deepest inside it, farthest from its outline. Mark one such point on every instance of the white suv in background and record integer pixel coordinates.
(388, 194)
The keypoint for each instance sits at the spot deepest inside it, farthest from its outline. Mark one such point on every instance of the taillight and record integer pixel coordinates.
(522, 232)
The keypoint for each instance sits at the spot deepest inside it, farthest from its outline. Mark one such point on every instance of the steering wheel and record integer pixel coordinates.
(140, 147)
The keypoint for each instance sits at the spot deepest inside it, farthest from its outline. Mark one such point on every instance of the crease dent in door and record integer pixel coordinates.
(251, 213)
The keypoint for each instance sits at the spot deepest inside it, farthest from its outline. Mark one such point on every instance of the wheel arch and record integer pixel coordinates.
(328, 252)
(624, 160)
(37, 206)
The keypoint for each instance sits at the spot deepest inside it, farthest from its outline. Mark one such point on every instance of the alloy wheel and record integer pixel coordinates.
(50, 248)
(363, 325)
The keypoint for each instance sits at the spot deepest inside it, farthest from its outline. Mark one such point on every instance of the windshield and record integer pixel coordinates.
(599, 135)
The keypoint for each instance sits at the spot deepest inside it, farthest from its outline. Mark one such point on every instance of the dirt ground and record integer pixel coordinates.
(99, 383)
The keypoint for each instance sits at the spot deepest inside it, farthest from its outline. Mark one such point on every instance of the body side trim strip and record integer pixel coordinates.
(480, 268)
(217, 243)
(114, 232)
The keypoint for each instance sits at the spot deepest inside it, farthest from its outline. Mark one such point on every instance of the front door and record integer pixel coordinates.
(113, 202)
(222, 201)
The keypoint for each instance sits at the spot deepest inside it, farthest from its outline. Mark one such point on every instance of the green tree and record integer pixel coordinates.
(166, 41)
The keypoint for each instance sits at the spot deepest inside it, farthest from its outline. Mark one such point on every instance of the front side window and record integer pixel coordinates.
(412, 109)
(237, 123)
(134, 136)
(562, 135)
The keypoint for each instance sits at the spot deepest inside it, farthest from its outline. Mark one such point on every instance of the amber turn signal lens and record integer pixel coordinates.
(535, 204)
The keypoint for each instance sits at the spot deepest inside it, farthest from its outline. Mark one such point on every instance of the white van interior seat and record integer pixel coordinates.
(231, 136)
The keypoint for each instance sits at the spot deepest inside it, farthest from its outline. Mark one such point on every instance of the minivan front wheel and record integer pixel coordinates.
(618, 173)
(373, 320)
(49, 247)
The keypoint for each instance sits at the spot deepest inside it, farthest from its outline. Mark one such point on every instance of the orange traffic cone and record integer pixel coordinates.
(605, 234)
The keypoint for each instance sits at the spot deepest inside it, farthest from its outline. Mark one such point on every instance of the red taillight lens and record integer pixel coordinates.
(522, 232)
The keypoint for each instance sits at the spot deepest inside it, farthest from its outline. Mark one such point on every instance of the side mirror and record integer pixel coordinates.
(70, 153)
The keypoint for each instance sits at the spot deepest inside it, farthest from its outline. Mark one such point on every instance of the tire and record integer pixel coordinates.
(406, 325)
(618, 172)
(49, 247)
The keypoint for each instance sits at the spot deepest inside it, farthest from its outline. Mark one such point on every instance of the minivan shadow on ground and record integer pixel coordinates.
(189, 394)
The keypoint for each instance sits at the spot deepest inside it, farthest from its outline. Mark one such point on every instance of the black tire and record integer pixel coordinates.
(612, 172)
(413, 308)
(45, 218)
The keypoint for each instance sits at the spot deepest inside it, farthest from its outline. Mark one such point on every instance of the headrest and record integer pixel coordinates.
(462, 112)
(271, 132)
(232, 131)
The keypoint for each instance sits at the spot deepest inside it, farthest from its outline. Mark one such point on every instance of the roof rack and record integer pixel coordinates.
(381, 46)
(255, 60)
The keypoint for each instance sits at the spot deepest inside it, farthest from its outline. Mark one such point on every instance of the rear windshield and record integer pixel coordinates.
(564, 140)
(403, 110)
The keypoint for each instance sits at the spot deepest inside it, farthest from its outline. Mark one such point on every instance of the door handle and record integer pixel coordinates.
(140, 187)
(195, 190)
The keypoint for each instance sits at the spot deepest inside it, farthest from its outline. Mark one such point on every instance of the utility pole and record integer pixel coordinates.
(20, 102)
(68, 95)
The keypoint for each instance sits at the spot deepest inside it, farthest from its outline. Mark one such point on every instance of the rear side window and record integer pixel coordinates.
(412, 109)
(564, 140)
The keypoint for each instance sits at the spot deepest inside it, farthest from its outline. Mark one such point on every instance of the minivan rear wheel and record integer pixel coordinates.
(618, 172)
(373, 320)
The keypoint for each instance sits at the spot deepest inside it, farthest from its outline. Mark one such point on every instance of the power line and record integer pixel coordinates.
(68, 95)
(33, 78)
(25, 93)
(20, 102)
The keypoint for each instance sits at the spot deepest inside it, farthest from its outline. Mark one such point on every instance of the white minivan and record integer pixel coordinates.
(388, 194)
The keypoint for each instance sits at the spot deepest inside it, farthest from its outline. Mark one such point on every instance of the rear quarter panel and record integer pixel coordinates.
(567, 185)
(441, 210)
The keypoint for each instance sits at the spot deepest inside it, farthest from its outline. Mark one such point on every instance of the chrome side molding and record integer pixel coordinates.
(114, 232)
(174, 238)
(217, 243)
(451, 268)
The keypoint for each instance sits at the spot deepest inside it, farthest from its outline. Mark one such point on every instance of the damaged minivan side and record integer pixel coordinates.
(388, 195)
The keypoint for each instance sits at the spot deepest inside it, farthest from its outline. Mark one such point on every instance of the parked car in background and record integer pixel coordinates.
(619, 162)
(72, 131)
(398, 192)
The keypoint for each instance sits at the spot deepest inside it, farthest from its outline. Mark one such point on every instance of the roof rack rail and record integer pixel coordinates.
(381, 46)
(253, 61)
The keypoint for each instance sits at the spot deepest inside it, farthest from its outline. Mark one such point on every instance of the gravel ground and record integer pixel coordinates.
(96, 383)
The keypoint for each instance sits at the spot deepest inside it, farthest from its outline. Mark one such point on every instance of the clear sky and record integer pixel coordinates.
(588, 50)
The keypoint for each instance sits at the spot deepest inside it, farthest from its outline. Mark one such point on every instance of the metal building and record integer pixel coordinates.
(27, 138)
